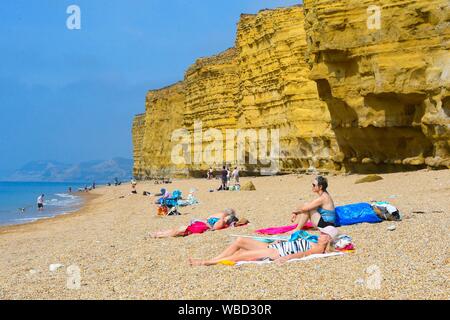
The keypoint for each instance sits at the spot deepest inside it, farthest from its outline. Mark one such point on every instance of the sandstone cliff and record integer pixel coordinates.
(276, 92)
(138, 132)
(343, 97)
(211, 89)
(386, 82)
(164, 114)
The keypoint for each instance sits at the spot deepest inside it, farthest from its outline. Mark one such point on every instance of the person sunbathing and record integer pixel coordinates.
(164, 194)
(218, 221)
(245, 249)
(321, 211)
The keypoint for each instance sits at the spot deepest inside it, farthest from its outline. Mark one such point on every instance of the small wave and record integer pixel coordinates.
(27, 219)
(65, 195)
(64, 200)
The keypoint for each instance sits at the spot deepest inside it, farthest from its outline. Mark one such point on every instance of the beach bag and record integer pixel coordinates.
(162, 211)
(356, 213)
(386, 211)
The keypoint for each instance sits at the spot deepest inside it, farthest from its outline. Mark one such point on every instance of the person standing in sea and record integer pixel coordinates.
(40, 202)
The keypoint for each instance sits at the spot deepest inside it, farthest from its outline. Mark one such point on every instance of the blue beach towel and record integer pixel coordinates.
(356, 213)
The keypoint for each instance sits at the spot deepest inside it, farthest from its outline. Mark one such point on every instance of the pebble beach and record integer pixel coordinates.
(107, 242)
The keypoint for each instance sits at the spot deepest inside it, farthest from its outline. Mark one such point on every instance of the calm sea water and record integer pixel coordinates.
(16, 195)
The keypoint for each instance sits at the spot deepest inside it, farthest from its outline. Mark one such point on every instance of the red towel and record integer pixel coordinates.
(281, 230)
(197, 228)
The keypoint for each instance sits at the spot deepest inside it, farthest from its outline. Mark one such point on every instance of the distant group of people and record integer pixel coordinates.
(227, 177)
(117, 182)
(41, 199)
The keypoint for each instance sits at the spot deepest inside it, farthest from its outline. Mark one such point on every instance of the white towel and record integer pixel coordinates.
(313, 256)
(262, 238)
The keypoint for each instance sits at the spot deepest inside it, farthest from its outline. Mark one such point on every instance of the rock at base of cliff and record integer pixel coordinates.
(369, 178)
(248, 186)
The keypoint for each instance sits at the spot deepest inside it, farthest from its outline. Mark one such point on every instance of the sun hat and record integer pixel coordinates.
(331, 231)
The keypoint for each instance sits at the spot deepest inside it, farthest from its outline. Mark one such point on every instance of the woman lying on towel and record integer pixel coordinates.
(321, 211)
(245, 249)
(219, 221)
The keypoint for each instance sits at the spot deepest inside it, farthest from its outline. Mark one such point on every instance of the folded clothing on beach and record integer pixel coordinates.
(386, 211)
(344, 243)
(281, 230)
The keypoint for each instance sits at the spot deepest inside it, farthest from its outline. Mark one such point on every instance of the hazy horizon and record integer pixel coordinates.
(70, 95)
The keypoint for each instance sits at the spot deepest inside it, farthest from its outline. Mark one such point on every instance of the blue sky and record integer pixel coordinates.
(70, 95)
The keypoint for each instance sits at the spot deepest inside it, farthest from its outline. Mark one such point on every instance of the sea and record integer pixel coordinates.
(18, 200)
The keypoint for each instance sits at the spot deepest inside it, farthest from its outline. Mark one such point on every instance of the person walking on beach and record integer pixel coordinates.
(224, 178)
(133, 186)
(235, 176)
(40, 202)
(210, 173)
(321, 212)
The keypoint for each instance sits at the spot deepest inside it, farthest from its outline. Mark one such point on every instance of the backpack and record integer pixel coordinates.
(386, 211)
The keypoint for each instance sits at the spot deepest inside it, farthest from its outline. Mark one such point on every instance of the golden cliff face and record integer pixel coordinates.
(383, 68)
(276, 92)
(211, 88)
(164, 114)
(138, 132)
(342, 97)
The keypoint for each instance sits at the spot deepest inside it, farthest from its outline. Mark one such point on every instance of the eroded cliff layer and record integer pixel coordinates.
(342, 95)
(383, 68)
(138, 132)
(211, 86)
(164, 114)
(275, 90)
(261, 84)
